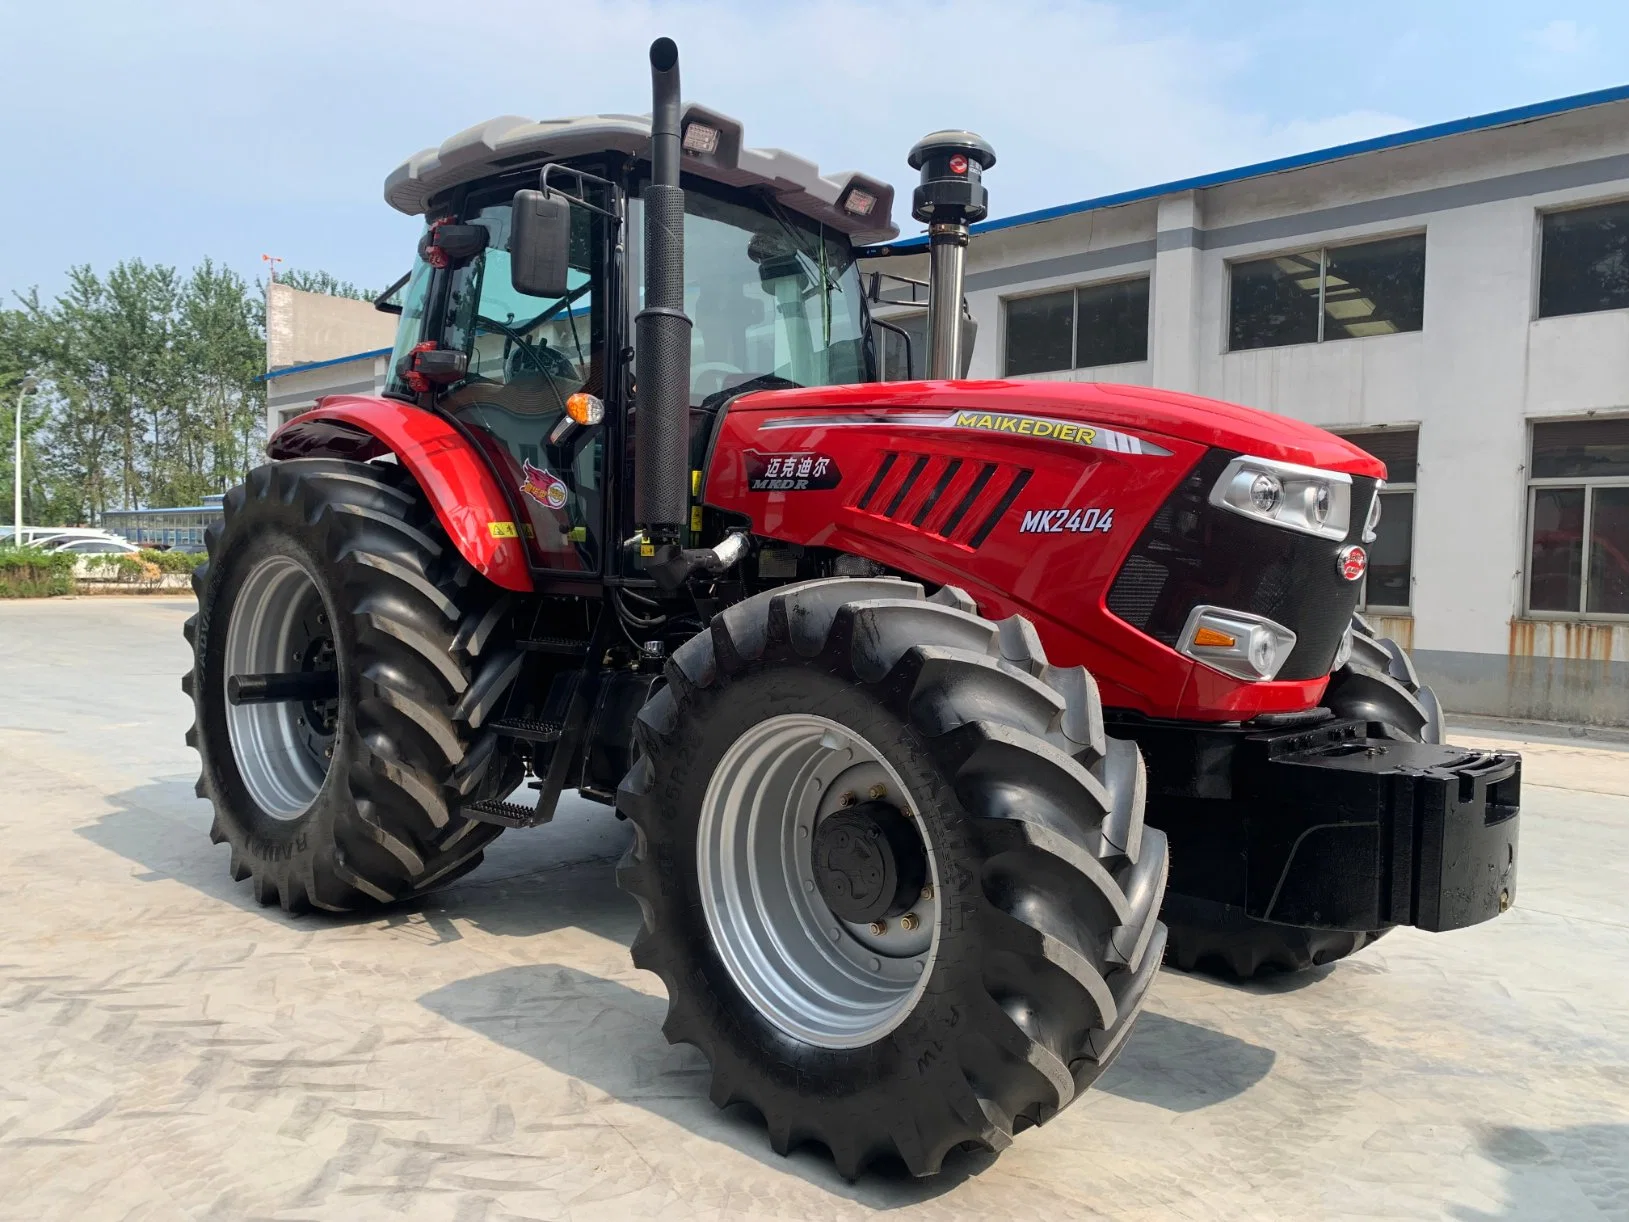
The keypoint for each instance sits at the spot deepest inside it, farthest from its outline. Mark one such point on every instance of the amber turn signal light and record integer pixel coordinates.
(1209, 636)
(585, 408)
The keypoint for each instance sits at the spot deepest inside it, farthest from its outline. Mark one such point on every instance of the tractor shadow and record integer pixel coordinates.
(607, 1035)
(1559, 1174)
(1275, 983)
(597, 1030)
(531, 882)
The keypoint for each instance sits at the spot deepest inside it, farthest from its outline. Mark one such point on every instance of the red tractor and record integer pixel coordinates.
(824, 640)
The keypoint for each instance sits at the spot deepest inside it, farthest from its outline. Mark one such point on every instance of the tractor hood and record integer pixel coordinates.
(1137, 409)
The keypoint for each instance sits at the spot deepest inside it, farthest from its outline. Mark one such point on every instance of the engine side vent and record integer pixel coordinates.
(1000, 510)
(883, 468)
(967, 499)
(962, 500)
(906, 485)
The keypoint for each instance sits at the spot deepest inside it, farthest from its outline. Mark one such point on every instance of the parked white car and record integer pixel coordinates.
(91, 552)
(50, 537)
(106, 545)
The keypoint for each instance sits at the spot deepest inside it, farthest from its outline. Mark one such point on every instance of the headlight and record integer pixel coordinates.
(1236, 642)
(1299, 498)
(1343, 654)
(1372, 525)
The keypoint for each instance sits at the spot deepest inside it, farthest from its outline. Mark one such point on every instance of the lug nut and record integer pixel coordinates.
(848, 798)
(879, 792)
(909, 921)
(927, 892)
(1504, 901)
(879, 928)
(328, 753)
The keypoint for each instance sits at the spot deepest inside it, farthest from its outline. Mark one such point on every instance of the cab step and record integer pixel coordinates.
(569, 645)
(501, 813)
(529, 728)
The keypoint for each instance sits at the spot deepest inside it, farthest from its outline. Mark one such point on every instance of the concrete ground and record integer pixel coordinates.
(171, 1050)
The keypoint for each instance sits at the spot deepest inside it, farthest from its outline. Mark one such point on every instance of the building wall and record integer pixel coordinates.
(1483, 367)
(302, 328)
(289, 394)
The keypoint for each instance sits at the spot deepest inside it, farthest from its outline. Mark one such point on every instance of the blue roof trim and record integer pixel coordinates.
(121, 514)
(338, 360)
(1416, 135)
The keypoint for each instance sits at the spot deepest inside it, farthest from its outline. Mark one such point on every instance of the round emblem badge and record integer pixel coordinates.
(1352, 561)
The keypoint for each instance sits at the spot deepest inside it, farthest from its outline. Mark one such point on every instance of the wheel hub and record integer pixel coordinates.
(801, 883)
(868, 862)
(278, 624)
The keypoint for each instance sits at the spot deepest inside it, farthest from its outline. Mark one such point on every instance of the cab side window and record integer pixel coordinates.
(527, 355)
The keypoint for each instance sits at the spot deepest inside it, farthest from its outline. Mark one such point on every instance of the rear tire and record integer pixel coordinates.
(1377, 683)
(351, 803)
(1040, 943)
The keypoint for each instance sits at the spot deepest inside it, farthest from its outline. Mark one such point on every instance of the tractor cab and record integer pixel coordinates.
(543, 374)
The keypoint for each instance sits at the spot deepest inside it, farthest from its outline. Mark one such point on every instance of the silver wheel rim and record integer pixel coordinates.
(282, 750)
(818, 978)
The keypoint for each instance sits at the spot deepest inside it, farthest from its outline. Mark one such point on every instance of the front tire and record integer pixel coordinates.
(1037, 935)
(352, 801)
(1379, 684)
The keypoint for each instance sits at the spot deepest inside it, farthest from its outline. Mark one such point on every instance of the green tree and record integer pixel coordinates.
(79, 442)
(325, 282)
(223, 351)
(148, 386)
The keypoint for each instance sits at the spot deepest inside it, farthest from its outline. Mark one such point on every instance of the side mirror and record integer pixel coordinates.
(539, 244)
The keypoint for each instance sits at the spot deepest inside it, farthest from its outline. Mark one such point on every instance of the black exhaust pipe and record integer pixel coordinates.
(662, 329)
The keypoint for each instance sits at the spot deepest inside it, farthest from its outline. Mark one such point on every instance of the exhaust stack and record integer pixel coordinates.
(662, 329)
(949, 198)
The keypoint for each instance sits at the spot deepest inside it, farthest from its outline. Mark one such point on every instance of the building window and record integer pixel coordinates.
(1389, 581)
(1578, 518)
(1097, 324)
(1584, 260)
(1337, 292)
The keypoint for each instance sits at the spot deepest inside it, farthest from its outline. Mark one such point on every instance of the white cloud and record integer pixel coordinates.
(306, 105)
(1562, 39)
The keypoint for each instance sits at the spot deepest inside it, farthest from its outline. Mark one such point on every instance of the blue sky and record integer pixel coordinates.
(182, 129)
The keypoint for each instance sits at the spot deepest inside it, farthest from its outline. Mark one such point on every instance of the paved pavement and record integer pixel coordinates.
(168, 1049)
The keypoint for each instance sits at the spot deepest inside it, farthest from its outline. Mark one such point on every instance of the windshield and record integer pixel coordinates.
(771, 296)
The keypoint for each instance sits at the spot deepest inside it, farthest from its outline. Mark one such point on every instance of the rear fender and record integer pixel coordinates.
(468, 502)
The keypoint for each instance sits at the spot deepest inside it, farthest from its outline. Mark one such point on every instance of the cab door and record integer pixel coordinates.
(527, 356)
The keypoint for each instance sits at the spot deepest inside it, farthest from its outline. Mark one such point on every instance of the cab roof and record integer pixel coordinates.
(511, 142)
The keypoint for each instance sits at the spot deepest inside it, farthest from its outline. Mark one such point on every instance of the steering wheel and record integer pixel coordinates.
(722, 368)
(548, 362)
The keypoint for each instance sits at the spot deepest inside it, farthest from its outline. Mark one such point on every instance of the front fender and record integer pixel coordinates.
(468, 502)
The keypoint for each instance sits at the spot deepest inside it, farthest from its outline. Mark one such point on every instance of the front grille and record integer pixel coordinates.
(1193, 553)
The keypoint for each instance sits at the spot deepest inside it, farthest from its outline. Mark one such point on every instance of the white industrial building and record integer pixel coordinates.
(319, 345)
(1455, 298)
